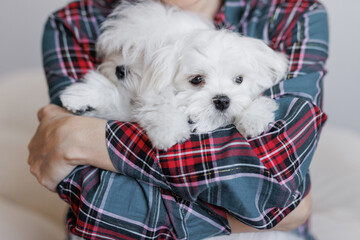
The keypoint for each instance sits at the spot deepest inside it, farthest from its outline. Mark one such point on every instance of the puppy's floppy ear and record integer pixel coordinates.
(161, 67)
(272, 65)
(120, 31)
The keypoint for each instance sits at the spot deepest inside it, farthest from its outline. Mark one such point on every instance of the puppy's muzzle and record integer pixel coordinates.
(221, 102)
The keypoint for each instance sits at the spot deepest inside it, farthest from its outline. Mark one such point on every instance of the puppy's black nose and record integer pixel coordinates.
(121, 72)
(221, 102)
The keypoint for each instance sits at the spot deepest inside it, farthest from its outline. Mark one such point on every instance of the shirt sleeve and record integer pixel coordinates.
(68, 47)
(107, 205)
(259, 180)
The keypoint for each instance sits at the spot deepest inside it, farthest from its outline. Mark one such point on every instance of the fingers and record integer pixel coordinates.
(32, 156)
(34, 145)
(50, 111)
(42, 159)
(39, 173)
(44, 112)
(30, 159)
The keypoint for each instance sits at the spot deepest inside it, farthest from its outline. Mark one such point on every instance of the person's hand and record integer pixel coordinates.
(292, 221)
(62, 141)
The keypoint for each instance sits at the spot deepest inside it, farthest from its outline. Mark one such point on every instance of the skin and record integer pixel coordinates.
(207, 8)
(63, 141)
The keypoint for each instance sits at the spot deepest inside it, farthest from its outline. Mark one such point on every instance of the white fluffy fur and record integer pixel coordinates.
(137, 28)
(221, 56)
(163, 48)
(101, 95)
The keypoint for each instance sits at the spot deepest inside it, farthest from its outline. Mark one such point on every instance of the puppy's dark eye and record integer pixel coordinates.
(197, 80)
(121, 72)
(239, 79)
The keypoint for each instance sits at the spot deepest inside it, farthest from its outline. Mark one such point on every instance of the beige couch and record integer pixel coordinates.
(29, 212)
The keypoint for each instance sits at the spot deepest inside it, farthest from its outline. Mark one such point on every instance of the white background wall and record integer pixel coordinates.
(21, 24)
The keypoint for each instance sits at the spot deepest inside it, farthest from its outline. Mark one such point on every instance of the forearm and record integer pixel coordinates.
(92, 149)
(200, 169)
(122, 207)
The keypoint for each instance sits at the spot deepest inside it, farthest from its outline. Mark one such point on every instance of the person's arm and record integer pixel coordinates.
(292, 221)
(64, 136)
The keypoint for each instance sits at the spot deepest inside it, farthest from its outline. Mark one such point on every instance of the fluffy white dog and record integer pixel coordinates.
(173, 73)
(131, 37)
(218, 78)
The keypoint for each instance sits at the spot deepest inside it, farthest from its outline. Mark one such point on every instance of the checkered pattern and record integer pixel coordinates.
(184, 193)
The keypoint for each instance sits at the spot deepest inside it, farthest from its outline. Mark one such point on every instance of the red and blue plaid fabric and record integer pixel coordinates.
(184, 193)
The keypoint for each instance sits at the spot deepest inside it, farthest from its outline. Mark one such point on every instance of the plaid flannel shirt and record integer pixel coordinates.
(184, 193)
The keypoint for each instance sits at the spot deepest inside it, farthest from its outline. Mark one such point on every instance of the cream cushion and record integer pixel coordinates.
(335, 173)
(26, 208)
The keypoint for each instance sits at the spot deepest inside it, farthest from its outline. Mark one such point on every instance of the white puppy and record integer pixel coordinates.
(213, 78)
(219, 77)
(128, 45)
(163, 68)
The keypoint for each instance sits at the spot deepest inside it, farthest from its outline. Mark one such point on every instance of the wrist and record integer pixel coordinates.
(298, 216)
(91, 148)
(83, 139)
(239, 227)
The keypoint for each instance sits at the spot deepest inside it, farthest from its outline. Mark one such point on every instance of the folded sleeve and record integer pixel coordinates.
(258, 180)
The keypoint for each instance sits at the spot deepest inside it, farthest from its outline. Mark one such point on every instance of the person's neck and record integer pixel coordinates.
(206, 8)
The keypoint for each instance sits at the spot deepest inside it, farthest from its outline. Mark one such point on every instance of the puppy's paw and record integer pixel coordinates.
(95, 96)
(77, 99)
(164, 139)
(165, 129)
(161, 118)
(256, 118)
